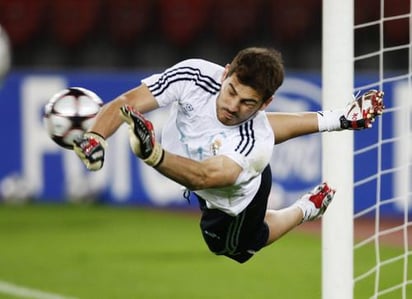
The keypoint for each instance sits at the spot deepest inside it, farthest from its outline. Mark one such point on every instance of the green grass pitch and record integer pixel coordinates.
(99, 252)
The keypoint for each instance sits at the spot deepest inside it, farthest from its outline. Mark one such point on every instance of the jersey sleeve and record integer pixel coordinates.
(178, 81)
(252, 165)
(252, 149)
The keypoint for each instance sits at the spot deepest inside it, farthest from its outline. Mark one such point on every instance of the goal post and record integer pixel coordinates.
(337, 150)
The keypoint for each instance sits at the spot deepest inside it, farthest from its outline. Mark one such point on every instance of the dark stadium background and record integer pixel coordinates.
(130, 34)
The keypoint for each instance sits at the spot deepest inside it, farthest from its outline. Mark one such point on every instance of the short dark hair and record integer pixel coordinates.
(260, 68)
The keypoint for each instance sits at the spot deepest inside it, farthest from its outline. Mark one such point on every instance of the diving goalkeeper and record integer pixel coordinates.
(218, 142)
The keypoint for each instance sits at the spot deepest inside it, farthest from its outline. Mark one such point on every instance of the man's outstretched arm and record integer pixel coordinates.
(92, 145)
(217, 171)
(357, 115)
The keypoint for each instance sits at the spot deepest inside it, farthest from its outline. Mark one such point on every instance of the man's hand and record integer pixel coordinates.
(142, 137)
(361, 113)
(90, 148)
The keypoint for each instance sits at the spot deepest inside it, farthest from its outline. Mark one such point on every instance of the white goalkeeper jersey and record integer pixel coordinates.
(194, 131)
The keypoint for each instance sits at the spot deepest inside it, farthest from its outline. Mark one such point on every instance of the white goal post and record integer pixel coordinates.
(337, 148)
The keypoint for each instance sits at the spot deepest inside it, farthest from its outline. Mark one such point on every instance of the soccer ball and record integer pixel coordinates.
(69, 113)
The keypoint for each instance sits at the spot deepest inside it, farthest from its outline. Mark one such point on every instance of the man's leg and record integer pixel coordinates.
(282, 221)
(309, 207)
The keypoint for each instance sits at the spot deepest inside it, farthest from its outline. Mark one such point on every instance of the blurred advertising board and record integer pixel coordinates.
(35, 168)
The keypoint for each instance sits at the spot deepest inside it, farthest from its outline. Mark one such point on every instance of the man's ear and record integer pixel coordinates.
(266, 103)
(225, 72)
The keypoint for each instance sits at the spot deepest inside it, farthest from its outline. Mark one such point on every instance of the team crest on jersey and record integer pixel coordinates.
(215, 146)
(187, 108)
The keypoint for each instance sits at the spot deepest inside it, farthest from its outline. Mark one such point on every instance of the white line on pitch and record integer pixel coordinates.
(23, 292)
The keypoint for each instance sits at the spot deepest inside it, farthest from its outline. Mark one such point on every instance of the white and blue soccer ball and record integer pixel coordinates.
(69, 113)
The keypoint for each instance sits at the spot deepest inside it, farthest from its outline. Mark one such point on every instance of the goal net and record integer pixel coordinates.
(378, 226)
(383, 156)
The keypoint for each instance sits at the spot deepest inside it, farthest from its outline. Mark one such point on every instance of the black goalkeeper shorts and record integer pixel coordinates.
(238, 237)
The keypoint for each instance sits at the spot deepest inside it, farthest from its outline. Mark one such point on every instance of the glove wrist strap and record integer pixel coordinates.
(156, 157)
(96, 136)
(329, 120)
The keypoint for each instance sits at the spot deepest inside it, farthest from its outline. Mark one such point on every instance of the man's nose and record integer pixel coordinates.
(233, 105)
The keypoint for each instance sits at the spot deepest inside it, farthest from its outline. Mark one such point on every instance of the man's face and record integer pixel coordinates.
(237, 102)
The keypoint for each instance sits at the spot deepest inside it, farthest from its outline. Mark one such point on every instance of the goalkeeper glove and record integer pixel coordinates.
(142, 137)
(90, 149)
(357, 115)
(314, 204)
